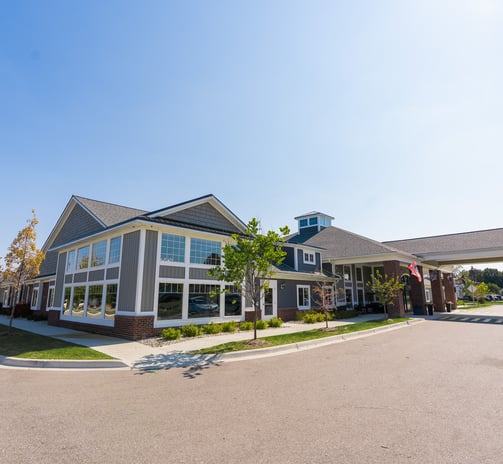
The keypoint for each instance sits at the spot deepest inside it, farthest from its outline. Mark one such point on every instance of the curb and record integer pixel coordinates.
(6, 361)
(310, 344)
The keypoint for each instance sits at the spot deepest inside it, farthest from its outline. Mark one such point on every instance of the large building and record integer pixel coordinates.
(130, 273)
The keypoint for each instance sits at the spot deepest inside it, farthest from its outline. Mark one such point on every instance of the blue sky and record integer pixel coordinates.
(386, 115)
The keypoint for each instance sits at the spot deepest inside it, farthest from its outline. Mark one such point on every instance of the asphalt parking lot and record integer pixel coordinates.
(428, 393)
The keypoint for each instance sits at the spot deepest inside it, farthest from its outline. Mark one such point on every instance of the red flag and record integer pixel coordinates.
(415, 271)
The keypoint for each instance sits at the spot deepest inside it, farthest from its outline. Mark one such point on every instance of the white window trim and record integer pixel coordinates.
(310, 255)
(302, 307)
(34, 298)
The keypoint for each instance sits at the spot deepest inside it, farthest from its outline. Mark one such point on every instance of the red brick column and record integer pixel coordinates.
(450, 291)
(417, 294)
(392, 269)
(437, 290)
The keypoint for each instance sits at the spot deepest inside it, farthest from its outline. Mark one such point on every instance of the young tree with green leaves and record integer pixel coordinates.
(248, 262)
(323, 296)
(481, 292)
(385, 288)
(22, 261)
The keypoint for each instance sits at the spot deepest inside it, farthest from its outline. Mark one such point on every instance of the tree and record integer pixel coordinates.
(248, 262)
(385, 288)
(323, 296)
(482, 291)
(22, 261)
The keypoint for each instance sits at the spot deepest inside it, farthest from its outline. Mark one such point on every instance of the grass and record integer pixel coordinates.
(22, 344)
(297, 337)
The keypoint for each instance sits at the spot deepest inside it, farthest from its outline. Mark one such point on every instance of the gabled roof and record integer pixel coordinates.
(108, 214)
(340, 243)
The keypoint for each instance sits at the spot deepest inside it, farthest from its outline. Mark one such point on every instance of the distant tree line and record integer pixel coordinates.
(488, 275)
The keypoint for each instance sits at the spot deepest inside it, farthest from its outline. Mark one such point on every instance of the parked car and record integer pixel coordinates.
(467, 298)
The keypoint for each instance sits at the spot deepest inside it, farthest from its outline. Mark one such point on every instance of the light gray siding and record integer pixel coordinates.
(149, 270)
(196, 273)
(129, 271)
(204, 215)
(172, 272)
(60, 276)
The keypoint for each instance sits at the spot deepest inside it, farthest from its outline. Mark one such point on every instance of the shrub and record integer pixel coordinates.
(246, 325)
(229, 326)
(275, 322)
(345, 314)
(261, 324)
(310, 318)
(170, 334)
(191, 330)
(211, 329)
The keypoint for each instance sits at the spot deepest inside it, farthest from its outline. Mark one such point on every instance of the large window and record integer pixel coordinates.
(203, 300)
(79, 296)
(169, 304)
(205, 252)
(83, 257)
(303, 296)
(66, 300)
(114, 255)
(232, 301)
(99, 253)
(50, 298)
(94, 301)
(70, 262)
(111, 301)
(173, 248)
(34, 298)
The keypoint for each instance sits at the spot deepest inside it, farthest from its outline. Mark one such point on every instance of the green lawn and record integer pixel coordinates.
(24, 344)
(297, 337)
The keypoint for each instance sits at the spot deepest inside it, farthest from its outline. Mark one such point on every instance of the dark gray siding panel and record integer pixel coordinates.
(80, 277)
(303, 267)
(149, 270)
(60, 276)
(172, 272)
(204, 215)
(287, 297)
(49, 263)
(68, 278)
(195, 273)
(290, 257)
(113, 273)
(129, 271)
(96, 275)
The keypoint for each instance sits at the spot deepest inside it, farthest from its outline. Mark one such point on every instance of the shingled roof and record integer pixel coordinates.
(340, 243)
(109, 214)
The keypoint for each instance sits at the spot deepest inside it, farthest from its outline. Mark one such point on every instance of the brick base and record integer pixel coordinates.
(129, 327)
(250, 315)
(288, 314)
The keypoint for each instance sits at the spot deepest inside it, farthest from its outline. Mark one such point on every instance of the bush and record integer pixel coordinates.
(212, 329)
(229, 326)
(345, 313)
(275, 322)
(191, 330)
(170, 334)
(246, 325)
(261, 324)
(312, 316)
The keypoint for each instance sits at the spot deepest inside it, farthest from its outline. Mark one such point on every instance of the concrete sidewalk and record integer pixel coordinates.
(142, 355)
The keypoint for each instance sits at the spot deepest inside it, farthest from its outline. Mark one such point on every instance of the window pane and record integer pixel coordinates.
(79, 295)
(34, 297)
(50, 299)
(95, 301)
(66, 300)
(114, 255)
(313, 221)
(99, 253)
(303, 223)
(169, 304)
(173, 248)
(203, 301)
(111, 300)
(205, 252)
(83, 257)
(232, 301)
(70, 263)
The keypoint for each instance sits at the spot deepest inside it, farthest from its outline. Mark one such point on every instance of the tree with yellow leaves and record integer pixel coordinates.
(22, 261)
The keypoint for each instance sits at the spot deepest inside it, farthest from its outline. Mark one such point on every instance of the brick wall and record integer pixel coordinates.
(287, 314)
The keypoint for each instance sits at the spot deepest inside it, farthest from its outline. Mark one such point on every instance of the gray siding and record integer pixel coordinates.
(172, 272)
(60, 276)
(290, 256)
(113, 273)
(78, 224)
(304, 267)
(80, 277)
(204, 215)
(129, 271)
(195, 273)
(287, 297)
(96, 275)
(149, 270)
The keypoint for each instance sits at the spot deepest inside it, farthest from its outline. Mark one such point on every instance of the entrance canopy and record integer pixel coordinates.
(482, 246)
